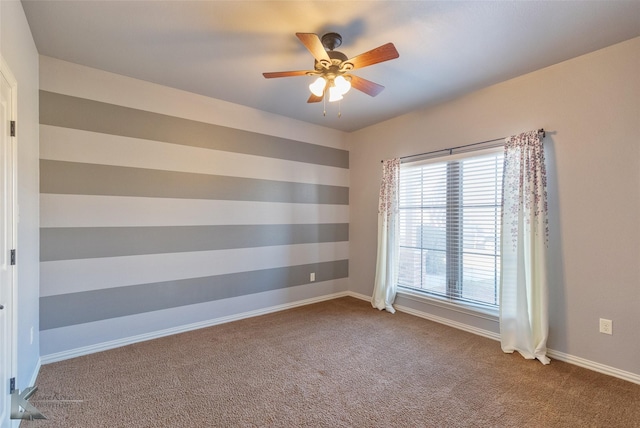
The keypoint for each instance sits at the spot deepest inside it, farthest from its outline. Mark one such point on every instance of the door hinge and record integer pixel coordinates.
(12, 385)
(13, 257)
(13, 128)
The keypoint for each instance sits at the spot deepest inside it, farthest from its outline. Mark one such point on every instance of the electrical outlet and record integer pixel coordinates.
(312, 276)
(606, 326)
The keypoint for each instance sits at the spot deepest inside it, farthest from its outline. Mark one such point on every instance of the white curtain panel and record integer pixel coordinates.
(384, 291)
(524, 321)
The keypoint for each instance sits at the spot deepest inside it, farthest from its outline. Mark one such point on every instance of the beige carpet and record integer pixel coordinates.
(332, 364)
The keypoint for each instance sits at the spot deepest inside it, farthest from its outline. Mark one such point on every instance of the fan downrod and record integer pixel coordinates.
(331, 41)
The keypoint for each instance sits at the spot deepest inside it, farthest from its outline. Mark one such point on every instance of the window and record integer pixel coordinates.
(450, 210)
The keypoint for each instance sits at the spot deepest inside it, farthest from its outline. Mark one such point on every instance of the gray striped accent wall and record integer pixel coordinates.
(88, 115)
(144, 213)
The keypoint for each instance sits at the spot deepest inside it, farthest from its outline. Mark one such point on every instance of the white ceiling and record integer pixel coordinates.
(220, 48)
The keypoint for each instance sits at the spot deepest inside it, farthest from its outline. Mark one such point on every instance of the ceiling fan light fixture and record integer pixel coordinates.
(317, 87)
(332, 69)
(342, 84)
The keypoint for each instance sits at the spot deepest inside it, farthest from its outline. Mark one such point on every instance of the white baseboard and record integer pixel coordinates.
(592, 365)
(560, 356)
(91, 349)
(450, 323)
(359, 296)
(36, 371)
(430, 317)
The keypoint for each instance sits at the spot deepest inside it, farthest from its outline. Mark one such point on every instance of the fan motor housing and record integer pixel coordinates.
(335, 55)
(330, 41)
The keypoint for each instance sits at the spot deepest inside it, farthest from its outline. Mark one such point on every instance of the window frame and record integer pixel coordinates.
(477, 309)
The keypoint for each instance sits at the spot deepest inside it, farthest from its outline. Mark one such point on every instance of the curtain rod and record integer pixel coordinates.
(451, 149)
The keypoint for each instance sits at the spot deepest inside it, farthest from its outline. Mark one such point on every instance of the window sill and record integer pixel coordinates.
(464, 308)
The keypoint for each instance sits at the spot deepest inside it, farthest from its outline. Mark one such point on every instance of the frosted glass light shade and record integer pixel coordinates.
(334, 94)
(317, 87)
(342, 84)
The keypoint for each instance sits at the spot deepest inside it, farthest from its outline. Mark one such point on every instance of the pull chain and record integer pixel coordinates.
(324, 107)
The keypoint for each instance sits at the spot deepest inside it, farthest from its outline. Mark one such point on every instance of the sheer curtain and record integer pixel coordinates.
(384, 291)
(523, 279)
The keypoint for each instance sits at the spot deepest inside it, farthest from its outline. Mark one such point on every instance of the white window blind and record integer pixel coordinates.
(450, 226)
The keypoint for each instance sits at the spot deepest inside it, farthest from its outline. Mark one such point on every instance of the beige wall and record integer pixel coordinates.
(590, 107)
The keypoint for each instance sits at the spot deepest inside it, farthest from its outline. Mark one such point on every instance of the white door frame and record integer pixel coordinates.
(12, 307)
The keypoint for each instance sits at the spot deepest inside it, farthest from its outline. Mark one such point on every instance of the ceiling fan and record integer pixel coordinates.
(333, 68)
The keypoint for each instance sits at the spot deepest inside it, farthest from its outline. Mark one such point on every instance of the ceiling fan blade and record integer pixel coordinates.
(374, 56)
(287, 73)
(314, 98)
(366, 86)
(312, 42)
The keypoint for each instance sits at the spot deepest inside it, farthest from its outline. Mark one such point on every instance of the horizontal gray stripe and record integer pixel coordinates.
(78, 308)
(73, 178)
(67, 243)
(80, 113)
